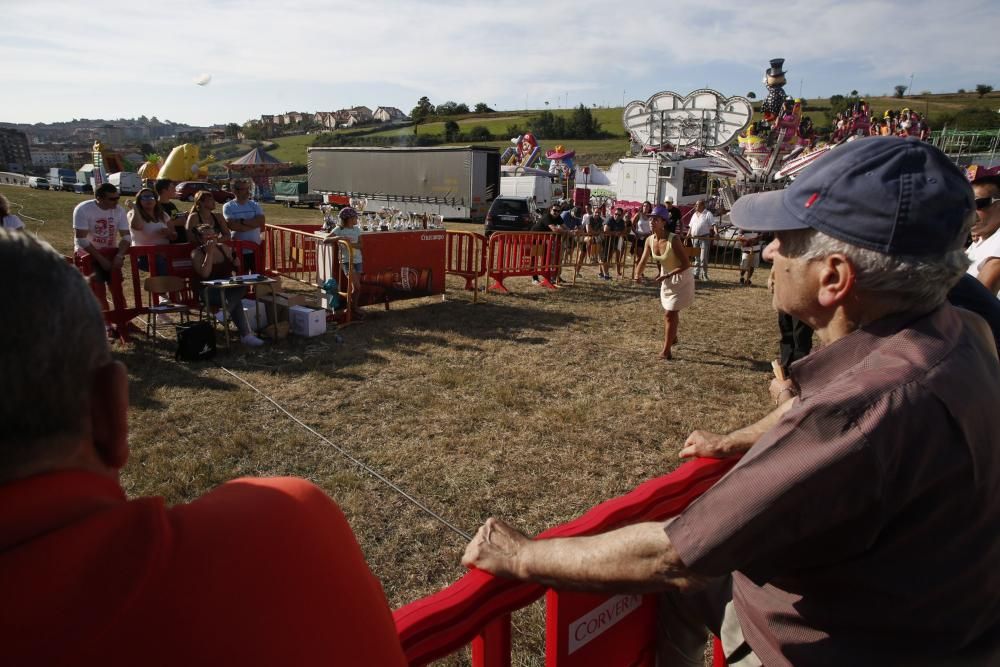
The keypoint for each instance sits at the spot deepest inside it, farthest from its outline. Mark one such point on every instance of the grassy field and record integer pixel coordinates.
(533, 406)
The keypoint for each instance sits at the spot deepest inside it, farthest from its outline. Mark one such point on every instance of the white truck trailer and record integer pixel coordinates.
(457, 183)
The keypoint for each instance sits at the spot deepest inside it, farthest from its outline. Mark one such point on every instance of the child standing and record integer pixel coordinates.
(347, 228)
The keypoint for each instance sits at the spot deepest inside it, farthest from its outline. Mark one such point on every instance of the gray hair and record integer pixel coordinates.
(912, 281)
(52, 343)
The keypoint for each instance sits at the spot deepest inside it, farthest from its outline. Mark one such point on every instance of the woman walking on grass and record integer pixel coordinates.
(676, 280)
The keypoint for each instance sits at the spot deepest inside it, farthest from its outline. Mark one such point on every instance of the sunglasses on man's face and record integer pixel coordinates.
(112, 198)
(985, 202)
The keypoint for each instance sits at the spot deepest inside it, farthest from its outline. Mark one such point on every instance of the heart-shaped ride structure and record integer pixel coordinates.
(703, 118)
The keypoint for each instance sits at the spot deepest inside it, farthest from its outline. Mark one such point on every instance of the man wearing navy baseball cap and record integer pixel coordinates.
(861, 526)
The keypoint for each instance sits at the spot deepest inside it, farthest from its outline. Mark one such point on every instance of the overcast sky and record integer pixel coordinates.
(63, 59)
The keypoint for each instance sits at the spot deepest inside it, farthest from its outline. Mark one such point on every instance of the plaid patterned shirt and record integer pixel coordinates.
(864, 528)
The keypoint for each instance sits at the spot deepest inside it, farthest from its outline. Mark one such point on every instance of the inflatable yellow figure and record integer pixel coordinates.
(150, 169)
(183, 164)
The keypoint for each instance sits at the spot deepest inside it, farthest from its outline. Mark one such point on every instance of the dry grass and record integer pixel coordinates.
(533, 406)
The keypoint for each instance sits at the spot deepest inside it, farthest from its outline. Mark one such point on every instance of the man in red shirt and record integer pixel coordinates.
(255, 572)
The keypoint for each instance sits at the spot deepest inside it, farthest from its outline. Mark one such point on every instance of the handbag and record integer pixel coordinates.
(195, 341)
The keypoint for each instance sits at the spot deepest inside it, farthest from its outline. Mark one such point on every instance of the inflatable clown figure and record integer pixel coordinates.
(560, 160)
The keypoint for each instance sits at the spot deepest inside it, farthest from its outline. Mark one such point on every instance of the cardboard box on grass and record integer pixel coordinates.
(307, 322)
(283, 301)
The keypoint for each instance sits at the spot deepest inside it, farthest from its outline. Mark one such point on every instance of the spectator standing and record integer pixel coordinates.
(614, 241)
(985, 249)
(750, 247)
(131, 581)
(873, 493)
(641, 229)
(702, 230)
(591, 245)
(550, 221)
(97, 223)
(7, 219)
(674, 224)
(245, 218)
(353, 266)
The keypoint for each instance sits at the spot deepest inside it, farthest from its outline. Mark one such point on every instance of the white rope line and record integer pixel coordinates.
(20, 213)
(343, 452)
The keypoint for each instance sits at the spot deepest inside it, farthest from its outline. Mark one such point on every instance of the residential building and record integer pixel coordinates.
(388, 115)
(15, 155)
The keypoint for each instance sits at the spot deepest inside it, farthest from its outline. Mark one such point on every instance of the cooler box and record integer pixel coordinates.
(306, 321)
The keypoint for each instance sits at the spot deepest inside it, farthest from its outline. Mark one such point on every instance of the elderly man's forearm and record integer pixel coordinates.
(636, 559)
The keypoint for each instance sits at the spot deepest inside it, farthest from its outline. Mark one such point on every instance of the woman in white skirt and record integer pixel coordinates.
(676, 280)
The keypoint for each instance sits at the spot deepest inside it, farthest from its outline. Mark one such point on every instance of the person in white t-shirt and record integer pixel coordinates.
(702, 230)
(985, 249)
(98, 223)
(7, 219)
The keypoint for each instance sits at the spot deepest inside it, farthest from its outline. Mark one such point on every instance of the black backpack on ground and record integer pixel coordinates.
(195, 341)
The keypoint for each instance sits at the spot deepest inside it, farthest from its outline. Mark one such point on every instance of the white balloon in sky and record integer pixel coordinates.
(203, 80)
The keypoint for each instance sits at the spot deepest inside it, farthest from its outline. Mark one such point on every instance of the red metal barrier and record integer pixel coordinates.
(477, 607)
(291, 252)
(523, 254)
(466, 257)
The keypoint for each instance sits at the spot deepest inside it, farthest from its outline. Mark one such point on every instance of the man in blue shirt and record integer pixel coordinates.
(246, 218)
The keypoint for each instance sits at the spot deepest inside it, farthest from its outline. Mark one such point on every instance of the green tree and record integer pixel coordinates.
(232, 131)
(751, 95)
(983, 89)
(423, 109)
(583, 124)
(449, 108)
(481, 107)
(480, 133)
(899, 90)
(452, 131)
(253, 132)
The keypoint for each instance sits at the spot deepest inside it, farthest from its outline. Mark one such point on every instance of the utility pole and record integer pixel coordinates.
(910, 87)
(800, 89)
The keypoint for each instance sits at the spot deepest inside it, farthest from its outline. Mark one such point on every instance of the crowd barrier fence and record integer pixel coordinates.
(513, 254)
(291, 253)
(466, 258)
(477, 608)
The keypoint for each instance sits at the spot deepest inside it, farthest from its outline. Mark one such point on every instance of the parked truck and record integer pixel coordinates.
(62, 178)
(457, 183)
(657, 177)
(127, 182)
(296, 193)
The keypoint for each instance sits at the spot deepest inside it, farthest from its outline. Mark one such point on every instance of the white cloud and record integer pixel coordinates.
(469, 52)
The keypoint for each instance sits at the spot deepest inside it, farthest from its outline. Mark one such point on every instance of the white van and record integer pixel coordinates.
(38, 182)
(538, 188)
